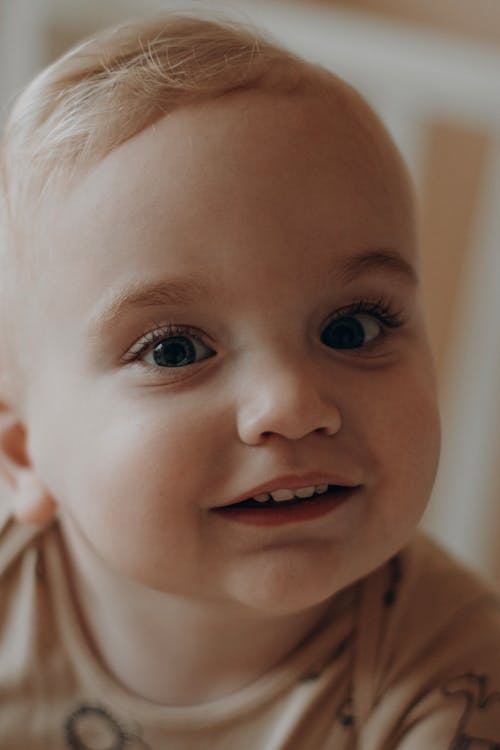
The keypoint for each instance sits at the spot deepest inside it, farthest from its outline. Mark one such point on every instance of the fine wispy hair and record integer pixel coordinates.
(117, 83)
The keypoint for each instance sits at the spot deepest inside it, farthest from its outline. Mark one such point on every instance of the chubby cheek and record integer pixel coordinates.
(128, 478)
(408, 447)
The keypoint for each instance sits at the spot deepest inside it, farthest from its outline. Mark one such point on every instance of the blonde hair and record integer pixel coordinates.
(116, 84)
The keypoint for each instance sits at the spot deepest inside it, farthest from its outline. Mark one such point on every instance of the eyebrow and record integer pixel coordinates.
(388, 262)
(175, 292)
(185, 291)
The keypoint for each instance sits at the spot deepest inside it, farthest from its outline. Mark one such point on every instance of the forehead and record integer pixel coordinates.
(225, 181)
(249, 136)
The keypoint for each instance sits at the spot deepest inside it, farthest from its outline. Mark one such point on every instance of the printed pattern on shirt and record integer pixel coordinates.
(395, 578)
(473, 690)
(92, 727)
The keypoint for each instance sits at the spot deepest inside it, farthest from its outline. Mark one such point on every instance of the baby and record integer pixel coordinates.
(218, 416)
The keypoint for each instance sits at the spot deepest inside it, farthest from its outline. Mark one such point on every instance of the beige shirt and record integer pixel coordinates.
(407, 658)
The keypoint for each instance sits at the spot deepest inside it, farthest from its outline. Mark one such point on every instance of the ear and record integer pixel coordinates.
(29, 500)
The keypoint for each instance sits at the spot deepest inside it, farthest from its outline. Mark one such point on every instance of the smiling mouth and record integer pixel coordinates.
(333, 490)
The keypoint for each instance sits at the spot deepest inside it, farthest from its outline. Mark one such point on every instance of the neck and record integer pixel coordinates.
(211, 649)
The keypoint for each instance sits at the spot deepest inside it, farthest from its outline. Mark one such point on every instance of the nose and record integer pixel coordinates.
(288, 399)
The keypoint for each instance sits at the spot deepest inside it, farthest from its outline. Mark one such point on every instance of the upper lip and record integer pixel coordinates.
(292, 482)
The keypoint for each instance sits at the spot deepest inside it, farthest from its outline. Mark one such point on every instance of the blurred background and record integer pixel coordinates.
(432, 70)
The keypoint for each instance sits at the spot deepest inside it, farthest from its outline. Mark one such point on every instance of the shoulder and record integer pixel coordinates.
(429, 663)
(439, 596)
(423, 592)
(430, 591)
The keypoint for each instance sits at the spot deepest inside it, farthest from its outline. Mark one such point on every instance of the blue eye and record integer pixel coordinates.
(178, 351)
(350, 331)
(169, 347)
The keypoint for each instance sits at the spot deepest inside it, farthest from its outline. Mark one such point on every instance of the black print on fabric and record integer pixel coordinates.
(395, 576)
(94, 728)
(478, 702)
(345, 714)
(316, 671)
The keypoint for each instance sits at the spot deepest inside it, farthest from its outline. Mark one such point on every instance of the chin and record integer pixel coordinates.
(284, 583)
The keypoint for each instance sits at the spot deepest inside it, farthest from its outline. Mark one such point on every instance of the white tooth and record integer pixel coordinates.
(321, 488)
(263, 498)
(282, 495)
(305, 492)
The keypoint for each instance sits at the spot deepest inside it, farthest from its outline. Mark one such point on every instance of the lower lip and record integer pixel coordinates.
(279, 515)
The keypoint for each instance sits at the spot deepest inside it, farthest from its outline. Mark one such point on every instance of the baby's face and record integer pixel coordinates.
(229, 305)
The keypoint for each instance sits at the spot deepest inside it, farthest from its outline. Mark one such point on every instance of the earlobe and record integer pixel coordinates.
(29, 500)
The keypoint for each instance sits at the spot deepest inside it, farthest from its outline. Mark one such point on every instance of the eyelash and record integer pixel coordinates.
(382, 309)
(158, 334)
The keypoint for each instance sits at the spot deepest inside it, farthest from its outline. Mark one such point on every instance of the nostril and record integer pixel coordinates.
(328, 431)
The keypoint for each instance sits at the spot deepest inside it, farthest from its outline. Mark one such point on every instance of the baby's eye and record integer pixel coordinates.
(351, 331)
(177, 351)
